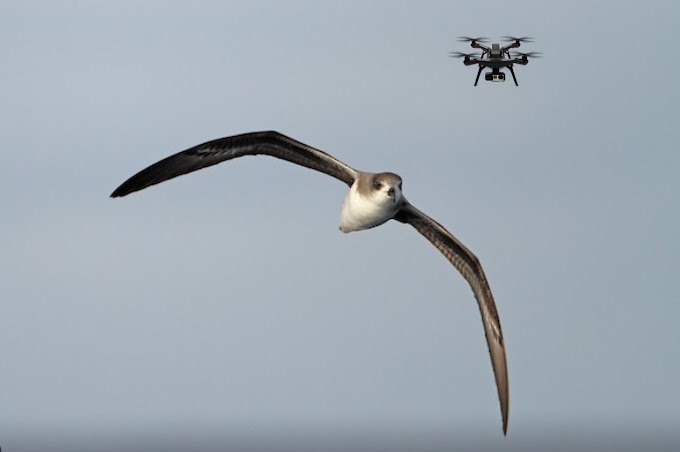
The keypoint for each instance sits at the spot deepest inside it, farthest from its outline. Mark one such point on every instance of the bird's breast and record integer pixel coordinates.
(359, 212)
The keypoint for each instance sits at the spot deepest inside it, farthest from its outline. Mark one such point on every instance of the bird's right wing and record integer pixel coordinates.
(216, 151)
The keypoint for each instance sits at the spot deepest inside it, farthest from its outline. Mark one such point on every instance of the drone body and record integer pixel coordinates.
(495, 57)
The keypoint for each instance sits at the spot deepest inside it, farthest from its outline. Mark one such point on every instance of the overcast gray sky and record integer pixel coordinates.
(226, 305)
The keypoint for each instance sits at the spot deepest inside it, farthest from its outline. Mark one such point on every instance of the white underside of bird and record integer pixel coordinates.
(361, 212)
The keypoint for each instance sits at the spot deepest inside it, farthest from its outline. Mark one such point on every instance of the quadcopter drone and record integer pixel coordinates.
(494, 57)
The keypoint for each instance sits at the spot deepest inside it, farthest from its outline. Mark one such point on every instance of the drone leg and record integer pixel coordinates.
(479, 72)
(512, 71)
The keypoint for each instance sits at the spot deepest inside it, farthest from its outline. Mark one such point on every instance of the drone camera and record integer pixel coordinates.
(491, 77)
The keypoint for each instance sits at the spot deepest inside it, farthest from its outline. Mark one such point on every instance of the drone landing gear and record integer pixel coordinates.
(512, 71)
(478, 73)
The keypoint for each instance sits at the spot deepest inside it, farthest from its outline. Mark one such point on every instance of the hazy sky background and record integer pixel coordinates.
(226, 304)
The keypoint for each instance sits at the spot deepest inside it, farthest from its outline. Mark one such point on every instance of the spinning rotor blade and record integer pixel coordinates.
(469, 39)
(463, 55)
(527, 55)
(522, 39)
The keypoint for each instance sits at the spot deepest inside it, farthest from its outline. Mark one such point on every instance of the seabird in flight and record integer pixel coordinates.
(373, 199)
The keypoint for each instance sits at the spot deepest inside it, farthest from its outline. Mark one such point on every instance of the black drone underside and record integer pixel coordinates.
(495, 57)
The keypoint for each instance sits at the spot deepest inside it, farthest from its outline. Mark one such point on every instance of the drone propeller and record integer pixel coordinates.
(469, 39)
(463, 55)
(527, 55)
(522, 39)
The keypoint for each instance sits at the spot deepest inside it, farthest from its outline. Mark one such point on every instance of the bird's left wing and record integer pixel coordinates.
(468, 265)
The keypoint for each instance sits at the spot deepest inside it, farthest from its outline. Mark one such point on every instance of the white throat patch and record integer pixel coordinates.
(365, 212)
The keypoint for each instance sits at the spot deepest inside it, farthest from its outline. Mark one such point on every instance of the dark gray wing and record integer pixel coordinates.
(468, 265)
(220, 150)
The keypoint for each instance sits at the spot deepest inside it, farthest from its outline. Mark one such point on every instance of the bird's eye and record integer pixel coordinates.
(377, 184)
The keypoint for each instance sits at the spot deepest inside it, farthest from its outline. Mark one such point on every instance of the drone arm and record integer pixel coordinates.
(514, 45)
(476, 45)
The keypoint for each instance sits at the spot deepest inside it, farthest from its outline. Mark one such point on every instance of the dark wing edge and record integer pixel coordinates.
(468, 265)
(213, 152)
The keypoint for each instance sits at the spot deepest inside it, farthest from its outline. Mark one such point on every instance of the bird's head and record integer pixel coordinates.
(386, 188)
